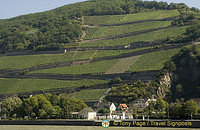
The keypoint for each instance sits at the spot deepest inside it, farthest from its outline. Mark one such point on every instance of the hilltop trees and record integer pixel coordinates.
(194, 32)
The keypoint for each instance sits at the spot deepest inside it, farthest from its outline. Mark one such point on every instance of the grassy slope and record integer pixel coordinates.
(99, 32)
(16, 62)
(153, 61)
(111, 19)
(105, 53)
(89, 95)
(97, 67)
(27, 85)
(150, 36)
(123, 65)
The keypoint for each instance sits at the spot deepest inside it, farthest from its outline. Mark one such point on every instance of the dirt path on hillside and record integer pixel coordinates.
(95, 53)
(74, 54)
(83, 34)
(123, 65)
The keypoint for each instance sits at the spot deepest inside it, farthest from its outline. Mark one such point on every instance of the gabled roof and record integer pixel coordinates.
(99, 105)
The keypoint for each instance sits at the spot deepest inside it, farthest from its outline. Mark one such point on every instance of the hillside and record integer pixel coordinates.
(54, 29)
(81, 48)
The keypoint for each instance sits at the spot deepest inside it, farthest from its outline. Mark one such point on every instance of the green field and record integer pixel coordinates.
(17, 62)
(106, 53)
(122, 65)
(153, 61)
(89, 95)
(26, 85)
(150, 36)
(100, 32)
(96, 67)
(112, 19)
(44, 127)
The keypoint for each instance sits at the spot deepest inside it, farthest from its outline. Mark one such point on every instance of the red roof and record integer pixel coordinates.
(124, 107)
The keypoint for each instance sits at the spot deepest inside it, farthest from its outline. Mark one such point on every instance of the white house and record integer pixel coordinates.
(112, 108)
(87, 113)
(92, 115)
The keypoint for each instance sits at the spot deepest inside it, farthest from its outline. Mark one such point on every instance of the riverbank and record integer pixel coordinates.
(43, 127)
(112, 123)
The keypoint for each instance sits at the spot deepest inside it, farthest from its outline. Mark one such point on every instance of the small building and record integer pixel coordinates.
(92, 115)
(112, 108)
(142, 103)
(124, 109)
(127, 46)
(100, 105)
(87, 113)
(75, 115)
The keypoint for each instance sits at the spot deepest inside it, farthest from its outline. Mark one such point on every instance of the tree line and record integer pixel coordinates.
(178, 110)
(46, 106)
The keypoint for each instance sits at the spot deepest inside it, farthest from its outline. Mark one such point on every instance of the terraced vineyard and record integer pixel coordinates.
(112, 46)
(145, 37)
(100, 32)
(114, 19)
(88, 95)
(8, 86)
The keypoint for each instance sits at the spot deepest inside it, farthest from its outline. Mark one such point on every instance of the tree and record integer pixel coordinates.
(176, 111)
(30, 105)
(10, 106)
(161, 105)
(170, 66)
(69, 105)
(178, 90)
(190, 108)
(103, 110)
(151, 107)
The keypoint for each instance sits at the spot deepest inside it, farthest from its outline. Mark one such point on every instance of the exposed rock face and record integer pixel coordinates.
(166, 80)
(165, 84)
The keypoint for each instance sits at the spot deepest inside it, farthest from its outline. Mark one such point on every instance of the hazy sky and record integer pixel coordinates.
(191, 3)
(12, 8)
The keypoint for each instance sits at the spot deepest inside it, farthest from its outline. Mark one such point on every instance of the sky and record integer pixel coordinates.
(13, 8)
